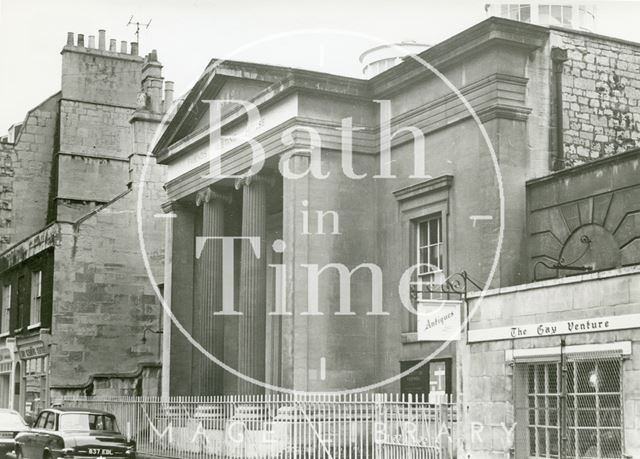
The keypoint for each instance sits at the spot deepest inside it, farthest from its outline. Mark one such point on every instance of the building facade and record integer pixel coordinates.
(75, 295)
(543, 99)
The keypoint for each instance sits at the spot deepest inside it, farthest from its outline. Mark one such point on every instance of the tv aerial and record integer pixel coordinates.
(138, 24)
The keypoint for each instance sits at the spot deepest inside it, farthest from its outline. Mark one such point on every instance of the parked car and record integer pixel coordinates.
(72, 432)
(11, 423)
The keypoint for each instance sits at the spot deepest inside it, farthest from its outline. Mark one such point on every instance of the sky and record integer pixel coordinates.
(323, 35)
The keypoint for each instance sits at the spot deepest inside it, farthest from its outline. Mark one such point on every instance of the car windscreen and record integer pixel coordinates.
(87, 422)
(11, 422)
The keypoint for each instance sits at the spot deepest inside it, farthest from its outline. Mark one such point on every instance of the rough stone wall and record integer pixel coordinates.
(95, 129)
(99, 318)
(25, 174)
(100, 76)
(601, 96)
(7, 159)
(144, 382)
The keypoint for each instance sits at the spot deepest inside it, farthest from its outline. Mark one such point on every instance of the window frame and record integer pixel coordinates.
(5, 317)
(35, 304)
(417, 202)
(432, 276)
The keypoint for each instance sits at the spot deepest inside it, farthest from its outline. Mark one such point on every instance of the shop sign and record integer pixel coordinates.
(31, 351)
(438, 320)
(563, 327)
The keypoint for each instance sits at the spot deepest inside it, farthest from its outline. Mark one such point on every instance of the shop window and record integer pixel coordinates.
(36, 299)
(593, 419)
(6, 310)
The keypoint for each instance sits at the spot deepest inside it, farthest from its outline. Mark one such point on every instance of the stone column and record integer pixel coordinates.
(253, 270)
(166, 319)
(208, 327)
(180, 295)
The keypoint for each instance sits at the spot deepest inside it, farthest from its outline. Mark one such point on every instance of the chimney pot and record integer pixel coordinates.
(70, 38)
(92, 41)
(112, 45)
(81, 40)
(123, 47)
(102, 39)
(134, 48)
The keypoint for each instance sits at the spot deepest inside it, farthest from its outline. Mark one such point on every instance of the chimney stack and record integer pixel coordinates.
(123, 47)
(134, 48)
(92, 41)
(112, 45)
(102, 39)
(168, 95)
(152, 81)
(70, 39)
(81, 40)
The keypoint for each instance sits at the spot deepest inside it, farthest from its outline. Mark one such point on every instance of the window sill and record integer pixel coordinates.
(34, 326)
(5, 334)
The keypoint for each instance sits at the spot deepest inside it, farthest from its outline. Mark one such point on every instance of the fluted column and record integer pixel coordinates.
(209, 328)
(253, 273)
(177, 351)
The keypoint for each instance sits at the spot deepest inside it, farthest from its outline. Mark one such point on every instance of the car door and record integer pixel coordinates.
(29, 440)
(46, 434)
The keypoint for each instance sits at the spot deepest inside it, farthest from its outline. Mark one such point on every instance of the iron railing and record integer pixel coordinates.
(347, 426)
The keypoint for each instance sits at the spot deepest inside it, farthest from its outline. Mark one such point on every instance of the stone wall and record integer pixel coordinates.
(601, 95)
(25, 174)
(99, 317)
(95, 129)
(599, 201)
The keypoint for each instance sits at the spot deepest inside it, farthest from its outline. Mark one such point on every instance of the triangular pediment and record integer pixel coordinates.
(221, 80)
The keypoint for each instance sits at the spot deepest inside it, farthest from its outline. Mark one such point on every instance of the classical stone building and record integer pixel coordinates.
(543, 99)
(75, 295)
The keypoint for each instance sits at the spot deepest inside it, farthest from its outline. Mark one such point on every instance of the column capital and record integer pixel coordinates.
(256, 178)
(210, 194)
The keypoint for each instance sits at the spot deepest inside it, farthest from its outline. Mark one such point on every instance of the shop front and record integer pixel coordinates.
(33, 393)
(7, 368)
(552, 368)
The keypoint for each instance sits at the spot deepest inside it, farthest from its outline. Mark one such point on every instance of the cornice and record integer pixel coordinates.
(444, 182)
(493, 31)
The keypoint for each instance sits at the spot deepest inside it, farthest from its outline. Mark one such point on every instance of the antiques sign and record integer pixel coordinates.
(438, 320)
(563, 327)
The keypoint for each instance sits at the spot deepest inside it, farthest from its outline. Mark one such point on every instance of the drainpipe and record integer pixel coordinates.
(558, 58)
